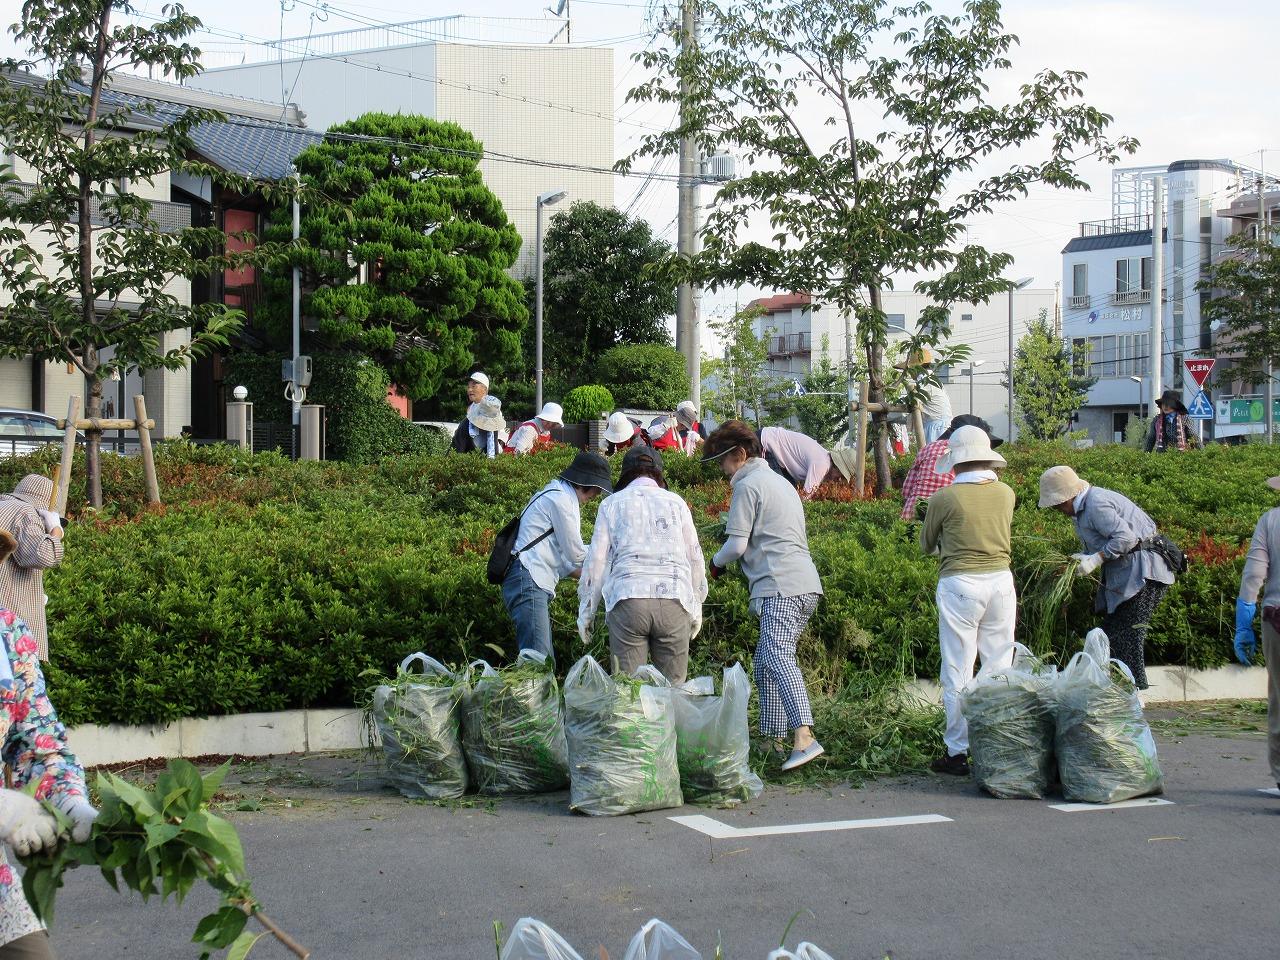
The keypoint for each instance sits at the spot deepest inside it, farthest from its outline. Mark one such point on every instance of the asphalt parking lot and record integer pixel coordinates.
(353, 871)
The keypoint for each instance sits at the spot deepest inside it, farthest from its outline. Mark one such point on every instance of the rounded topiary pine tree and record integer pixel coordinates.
(404, 252)
(588, 402)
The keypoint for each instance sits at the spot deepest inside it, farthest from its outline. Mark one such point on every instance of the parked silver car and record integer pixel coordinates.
(26, 431)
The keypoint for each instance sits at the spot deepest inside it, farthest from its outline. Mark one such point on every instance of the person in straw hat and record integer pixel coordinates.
(485, 428)
(549, 548)
(968, 525)
(534, 435)
(1262, 573)
(1116, 533)
(467, 438)
(26, 514)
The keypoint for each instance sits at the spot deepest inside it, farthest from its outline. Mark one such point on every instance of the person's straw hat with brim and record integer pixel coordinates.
(487, 415)
(1274, 483)
(619, 429)
(552, 413)
(34, 490)
(968, 445)
(1060, 484)
(589, 470)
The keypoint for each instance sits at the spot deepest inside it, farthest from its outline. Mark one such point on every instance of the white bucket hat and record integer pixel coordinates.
(552, 413)
(1058, 485)
(968, 445)
(487, 414)
(619, 429)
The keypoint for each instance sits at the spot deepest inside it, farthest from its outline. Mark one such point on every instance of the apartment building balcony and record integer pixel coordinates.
(166, 217)
(1115, 225)
(1130, 297)
(789, 345)
(1082, 302)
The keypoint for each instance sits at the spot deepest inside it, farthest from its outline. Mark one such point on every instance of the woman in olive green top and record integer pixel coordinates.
(968, 526)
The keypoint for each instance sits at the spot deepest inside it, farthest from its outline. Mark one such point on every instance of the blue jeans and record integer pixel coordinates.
(530, 608)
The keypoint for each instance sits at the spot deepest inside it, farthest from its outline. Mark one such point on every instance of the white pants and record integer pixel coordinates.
(976, 616)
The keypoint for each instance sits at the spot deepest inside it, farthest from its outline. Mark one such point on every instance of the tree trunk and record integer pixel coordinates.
(93, 438)
(875, 373)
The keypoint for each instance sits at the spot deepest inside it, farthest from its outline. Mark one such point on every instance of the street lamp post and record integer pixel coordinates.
(544, 200)
(1018, 285)
(1138, 381)
(972, 364)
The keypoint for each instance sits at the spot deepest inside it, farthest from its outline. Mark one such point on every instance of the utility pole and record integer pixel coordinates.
(1157, 289)
(295, 393)
(1264, 235)
(686, 241)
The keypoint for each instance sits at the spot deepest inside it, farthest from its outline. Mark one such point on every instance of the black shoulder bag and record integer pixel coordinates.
(504, 546)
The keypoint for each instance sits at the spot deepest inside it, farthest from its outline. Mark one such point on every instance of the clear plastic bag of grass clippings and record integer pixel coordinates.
(659, 941)
(1009, 709)
(713, 740)
(513, 728)
(417, 719)
(1105, 749)
(622, 741)
(533, 940)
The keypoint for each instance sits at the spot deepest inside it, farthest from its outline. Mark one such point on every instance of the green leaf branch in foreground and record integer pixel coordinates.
(161, 841)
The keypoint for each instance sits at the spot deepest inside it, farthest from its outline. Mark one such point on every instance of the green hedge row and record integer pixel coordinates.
(264, 584)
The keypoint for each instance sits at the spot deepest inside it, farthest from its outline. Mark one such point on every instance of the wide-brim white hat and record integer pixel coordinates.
(619, 429)
(487, 414)
(552, 413)
(968, 445)
(1058, 485)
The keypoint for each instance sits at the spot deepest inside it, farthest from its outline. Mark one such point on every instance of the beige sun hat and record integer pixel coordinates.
(619, 429)
(34, 490)
(968, 445)
(487, 414)
(1058, 485)
(1274, 483)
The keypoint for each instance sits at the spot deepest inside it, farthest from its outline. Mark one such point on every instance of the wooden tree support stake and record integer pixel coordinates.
(68, 455)
(148, 459)
(860, 451)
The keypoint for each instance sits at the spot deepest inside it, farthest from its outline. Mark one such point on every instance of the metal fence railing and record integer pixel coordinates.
(126, 446)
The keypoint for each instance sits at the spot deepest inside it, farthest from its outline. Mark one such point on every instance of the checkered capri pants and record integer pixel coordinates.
(784, 701)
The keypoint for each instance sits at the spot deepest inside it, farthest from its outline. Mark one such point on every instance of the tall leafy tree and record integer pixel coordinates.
(742, 387)
(1047, 391)
(1243, 291)
(865, 128)
(82, 259)
(598, 287)
(820, 410)
(404, 252)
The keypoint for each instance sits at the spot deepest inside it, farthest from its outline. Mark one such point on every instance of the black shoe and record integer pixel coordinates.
(956, 765)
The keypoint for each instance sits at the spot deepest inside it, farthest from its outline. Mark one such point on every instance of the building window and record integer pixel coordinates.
(1080, 356)
(1111, 355)
(1133, 274)
(896, 321)
(1079, 279)
(966, 318)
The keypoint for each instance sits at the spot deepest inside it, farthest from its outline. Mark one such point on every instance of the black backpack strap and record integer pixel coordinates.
(540, 537)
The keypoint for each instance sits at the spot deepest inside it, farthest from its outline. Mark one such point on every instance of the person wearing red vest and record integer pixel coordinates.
(534, 436)
(690, 430)
(664, 433)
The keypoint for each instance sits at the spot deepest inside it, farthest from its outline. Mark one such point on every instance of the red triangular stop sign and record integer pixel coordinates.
(1199, 369)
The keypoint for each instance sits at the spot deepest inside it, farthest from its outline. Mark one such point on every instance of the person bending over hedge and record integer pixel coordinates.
(645, 562)
(1119, 537)
(35, 747)
(1262, 573)
(549, 548)
(969, 526)
(765, 530)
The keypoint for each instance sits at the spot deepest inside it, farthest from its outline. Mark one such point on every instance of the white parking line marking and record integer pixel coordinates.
(723, 831)
(1122, 805)
(1274, 791)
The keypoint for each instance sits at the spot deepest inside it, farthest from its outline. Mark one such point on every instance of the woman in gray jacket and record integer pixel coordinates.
(1134, 579)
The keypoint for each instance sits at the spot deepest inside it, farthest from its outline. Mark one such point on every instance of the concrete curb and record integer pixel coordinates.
(309, 731)
(1170, 685)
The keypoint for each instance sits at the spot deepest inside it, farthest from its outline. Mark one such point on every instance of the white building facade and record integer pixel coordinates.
(549, 105)
(798, 330)
(1108, 283)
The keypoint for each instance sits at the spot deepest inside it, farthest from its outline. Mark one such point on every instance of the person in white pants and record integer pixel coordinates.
(968, 526)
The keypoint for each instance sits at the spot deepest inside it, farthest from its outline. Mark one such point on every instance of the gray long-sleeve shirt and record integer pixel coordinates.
(1111, 524)
(1260, 573)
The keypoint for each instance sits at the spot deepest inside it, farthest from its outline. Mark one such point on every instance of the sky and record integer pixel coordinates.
(1189, 80)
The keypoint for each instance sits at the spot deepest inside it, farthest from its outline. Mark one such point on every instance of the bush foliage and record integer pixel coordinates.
(588, 402)
(264, 584)
(645, 376)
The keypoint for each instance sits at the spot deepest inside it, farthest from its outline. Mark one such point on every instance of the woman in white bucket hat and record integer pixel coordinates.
(622, 433)
(968, 526)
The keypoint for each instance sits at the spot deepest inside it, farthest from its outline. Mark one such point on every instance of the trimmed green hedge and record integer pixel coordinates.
(264, 584)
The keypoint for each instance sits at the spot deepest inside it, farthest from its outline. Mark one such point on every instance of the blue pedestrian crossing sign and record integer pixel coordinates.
(1201, 408)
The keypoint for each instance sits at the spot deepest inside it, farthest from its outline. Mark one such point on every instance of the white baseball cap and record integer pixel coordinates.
(552, 413)
(480, 378)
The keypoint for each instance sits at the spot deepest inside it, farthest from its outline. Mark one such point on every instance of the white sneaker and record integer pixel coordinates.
(799, 758)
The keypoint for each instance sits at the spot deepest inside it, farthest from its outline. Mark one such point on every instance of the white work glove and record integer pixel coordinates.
(25, 825)
(82, 814)
(1088, 562)
(697, 628)
(51, 520)
(584, 631)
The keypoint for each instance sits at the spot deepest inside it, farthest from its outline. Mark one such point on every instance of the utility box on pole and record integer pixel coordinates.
(311, 445)
(240, 424)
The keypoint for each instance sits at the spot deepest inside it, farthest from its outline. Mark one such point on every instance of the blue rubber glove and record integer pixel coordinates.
(1246, 640)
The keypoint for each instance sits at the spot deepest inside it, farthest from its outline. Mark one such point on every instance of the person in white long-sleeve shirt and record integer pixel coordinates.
(549, 548)
(646, 564)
